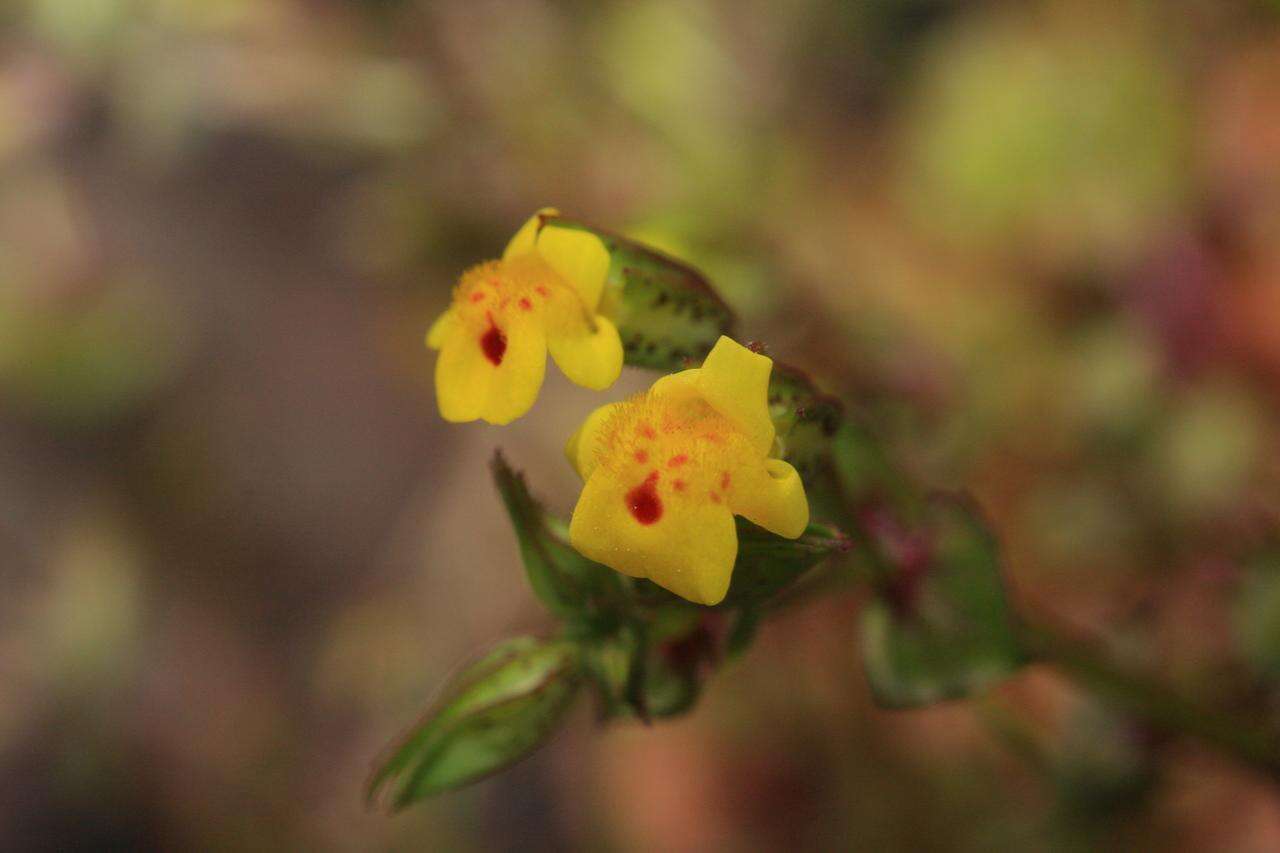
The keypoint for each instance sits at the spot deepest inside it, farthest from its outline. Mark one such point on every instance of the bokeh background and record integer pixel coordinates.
(1038, 242)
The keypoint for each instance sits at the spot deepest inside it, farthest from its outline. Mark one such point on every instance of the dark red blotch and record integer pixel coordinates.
(493, 344)
(643, 500)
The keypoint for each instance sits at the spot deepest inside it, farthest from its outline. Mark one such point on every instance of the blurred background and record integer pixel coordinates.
(1039, 242)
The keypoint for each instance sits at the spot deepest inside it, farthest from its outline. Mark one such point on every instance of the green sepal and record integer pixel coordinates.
(768, 563)
(571, 586)
(941, 628)
(806, 419)
(652, 668)
(615, 665)
(667, 313)
(497, 711)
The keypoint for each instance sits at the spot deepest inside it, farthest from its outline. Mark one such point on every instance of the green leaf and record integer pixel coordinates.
(940, 626)
(495, 713)
(768, 563)
(666, 311)
(806, 419)
(571, 586)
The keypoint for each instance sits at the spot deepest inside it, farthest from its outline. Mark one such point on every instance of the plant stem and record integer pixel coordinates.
(1094, 668)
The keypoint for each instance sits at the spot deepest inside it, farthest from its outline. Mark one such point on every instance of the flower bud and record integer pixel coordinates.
(494, 713)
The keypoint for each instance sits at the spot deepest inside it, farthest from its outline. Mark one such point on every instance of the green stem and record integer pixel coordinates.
(1092, 667)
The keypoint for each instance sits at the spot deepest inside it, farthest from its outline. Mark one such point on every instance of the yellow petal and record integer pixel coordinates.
(735, 382)
(583, 446)
(580, 258)
(590, 359)
(525, 239)
(689, 548)
(676, 387)
(470, 386)
(772, 496)
(440, 328)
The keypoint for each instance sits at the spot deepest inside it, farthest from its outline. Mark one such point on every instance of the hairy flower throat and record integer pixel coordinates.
(671, 450)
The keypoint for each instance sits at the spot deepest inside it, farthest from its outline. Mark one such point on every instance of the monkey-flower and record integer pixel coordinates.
(667, 470)
(506, 314)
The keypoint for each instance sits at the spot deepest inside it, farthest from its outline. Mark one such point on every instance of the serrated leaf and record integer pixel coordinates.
(666, 311)
(495, 712)
(768, 563)
(943, 629)
(571, 586)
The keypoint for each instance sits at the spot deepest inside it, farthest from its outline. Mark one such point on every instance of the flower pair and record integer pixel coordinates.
(666, 471)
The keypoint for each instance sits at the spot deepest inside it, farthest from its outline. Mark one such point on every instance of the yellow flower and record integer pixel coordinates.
(542, 295)
(667, 470)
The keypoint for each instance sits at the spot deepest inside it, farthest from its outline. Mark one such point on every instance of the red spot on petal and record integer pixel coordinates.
(643, 500)
(715, 499)
(679, 485)
(477, 297)
(647, 431)
(642, 456)
(542, 291)
(493, 344)
(725, 481)
(677, 460)
(525, 303)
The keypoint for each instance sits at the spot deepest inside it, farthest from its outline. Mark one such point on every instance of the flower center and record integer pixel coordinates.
(495, 298)
(522, 285)
(673, 450)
